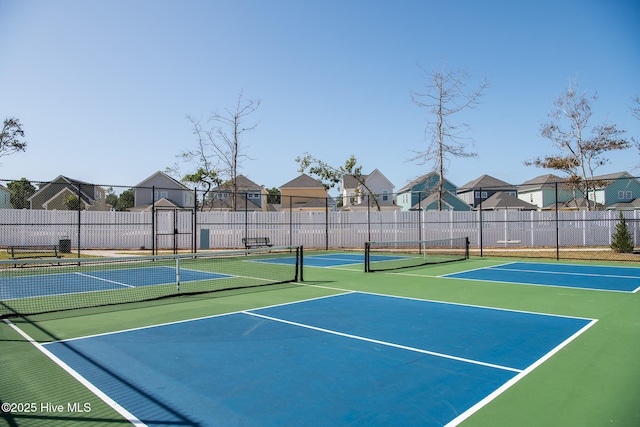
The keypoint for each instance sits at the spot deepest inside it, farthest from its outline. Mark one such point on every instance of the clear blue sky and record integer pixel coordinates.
(102, 88)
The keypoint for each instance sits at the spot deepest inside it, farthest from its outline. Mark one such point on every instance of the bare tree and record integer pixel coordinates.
(582, 146)
(635, 108)
(12, 137)
(445, 95)
(219, 151)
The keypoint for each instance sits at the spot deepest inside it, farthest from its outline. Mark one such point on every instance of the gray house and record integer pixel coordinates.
(248, 196)
(53, 195)
(161, 190)
(480, 189)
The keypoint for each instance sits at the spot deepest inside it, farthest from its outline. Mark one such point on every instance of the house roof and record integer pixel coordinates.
(573, 204)
(447, 197)
(420, 179)
(542, 181)
(313, 203)
(502, 200)
(165, 176)
(76, 184)
(303, 181)
(160, 203)
(634, 204)
(350, 181)
(615, 175)
(242, 183)
(488, 182)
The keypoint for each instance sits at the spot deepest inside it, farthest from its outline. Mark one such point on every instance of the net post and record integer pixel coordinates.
(367, 249)
(178, 273)
(299, 268)
(466, 251)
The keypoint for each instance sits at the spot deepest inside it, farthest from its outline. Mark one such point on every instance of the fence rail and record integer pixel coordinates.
(86, 216)
(187, 230)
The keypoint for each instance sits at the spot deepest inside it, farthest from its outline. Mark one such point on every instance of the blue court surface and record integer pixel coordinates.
(604, 278)
(90, 281)
(353, 359)
(333, 260)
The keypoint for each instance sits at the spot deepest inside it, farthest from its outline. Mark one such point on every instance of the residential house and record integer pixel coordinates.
(305, 194)
(504, 201)
(57, 193)
(541, 191)
(422, 193)
(5, 197)
(161, 190)
(480, 189)
(620, 187)
(377, 190)
(248, 196)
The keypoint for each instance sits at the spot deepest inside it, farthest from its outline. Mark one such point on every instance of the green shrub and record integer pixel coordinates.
(622, 239)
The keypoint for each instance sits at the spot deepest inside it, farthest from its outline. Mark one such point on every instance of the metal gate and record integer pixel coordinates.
(173, 230)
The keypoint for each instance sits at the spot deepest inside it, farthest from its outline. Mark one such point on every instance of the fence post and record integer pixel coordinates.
(480, 216)
(153, 220)
(557, 226)
(326, 223)
(79, 216)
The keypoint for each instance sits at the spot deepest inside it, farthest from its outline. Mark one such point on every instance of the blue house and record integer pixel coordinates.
(5, 196)
(422, 193)
(619, 189)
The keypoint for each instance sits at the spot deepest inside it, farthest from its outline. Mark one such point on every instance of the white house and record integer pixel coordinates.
(355, 195)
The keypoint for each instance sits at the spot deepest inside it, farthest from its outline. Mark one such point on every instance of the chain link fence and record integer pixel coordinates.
(79, 217)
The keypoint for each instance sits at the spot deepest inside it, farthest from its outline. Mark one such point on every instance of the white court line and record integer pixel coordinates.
(95, 390)
(475, 408)
(104, 280)
(385, 343)
(568, 273)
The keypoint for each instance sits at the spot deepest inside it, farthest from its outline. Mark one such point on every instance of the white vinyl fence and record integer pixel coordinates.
(135, 230)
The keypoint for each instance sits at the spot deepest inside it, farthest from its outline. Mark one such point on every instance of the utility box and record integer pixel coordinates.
(204, 238)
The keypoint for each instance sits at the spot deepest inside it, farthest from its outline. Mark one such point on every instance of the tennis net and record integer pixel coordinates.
(40, 286)
(381, 256)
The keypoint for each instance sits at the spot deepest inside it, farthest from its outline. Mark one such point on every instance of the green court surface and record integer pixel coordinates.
(592, 381)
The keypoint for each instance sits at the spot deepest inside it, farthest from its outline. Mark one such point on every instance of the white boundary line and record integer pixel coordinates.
(462, 417)
(475, 408)
(103, 280)
(95, 390)
(195, 319)
(385, 343)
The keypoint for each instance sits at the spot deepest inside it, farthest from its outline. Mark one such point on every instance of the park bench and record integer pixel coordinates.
(256, 242)
(33, 251)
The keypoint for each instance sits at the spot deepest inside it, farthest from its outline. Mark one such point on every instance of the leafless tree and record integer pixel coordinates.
(446, 94)
(219, 151)
(582, 147)
(635, 107)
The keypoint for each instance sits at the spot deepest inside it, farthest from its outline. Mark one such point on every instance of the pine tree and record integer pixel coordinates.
(622, 239)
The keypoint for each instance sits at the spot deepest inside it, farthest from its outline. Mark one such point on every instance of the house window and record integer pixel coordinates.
(477, 196)
(625, 195)
(385, 195)
(164, 194)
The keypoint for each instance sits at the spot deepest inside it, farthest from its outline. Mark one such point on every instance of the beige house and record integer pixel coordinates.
(305, 194)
